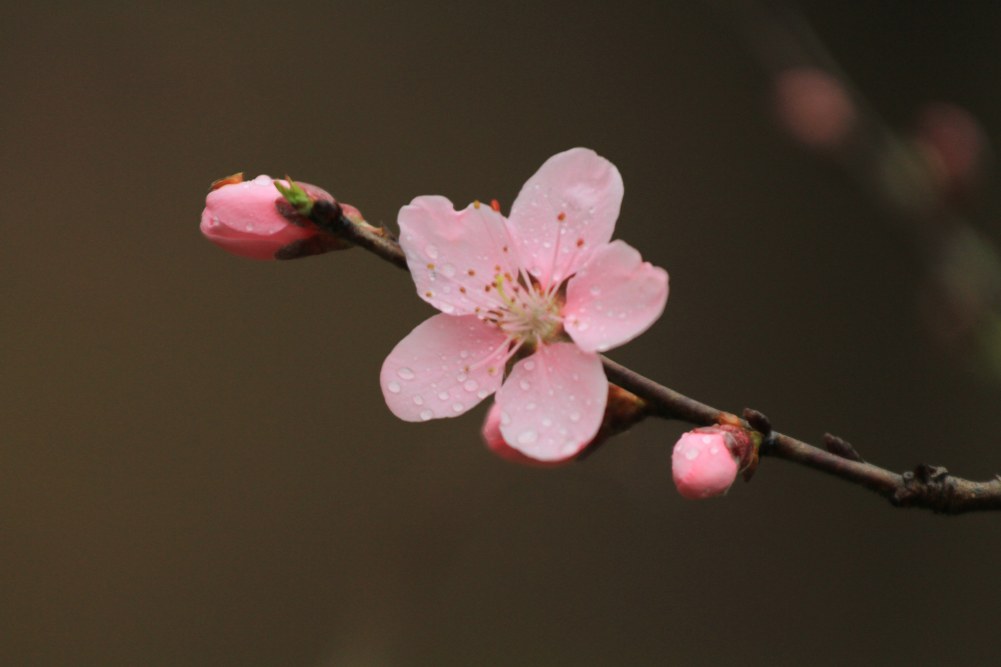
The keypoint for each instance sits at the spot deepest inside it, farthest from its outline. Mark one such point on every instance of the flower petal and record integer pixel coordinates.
(564, 212)
(614, 298)
(454, 256)
(444, 367)
(553, 402)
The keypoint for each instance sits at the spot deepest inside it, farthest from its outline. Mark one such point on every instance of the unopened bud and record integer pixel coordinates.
(253, 219)
(814, 107)
(706, 460)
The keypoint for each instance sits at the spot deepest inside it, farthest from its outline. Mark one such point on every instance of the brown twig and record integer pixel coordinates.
(927, 487)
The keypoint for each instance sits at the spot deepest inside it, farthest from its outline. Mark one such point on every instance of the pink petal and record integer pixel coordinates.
(614, 298)
(454, 255)
(564, 212)
(443, 368)
(553, 402)
(498, 445)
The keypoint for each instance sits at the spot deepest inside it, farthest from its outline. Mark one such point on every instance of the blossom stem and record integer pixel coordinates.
(926, 487)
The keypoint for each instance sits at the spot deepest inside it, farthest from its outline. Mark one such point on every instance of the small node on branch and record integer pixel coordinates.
(842, 448)
(758, 421)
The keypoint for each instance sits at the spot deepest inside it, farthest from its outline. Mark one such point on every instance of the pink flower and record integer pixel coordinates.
(544, 287)
(252, 219)
(705, 463)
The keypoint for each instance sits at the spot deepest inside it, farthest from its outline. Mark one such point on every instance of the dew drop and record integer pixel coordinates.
(691, 453)
(461, 377)
(706, 439)
(529, 365)
(714, 451)
(457, 407)
(505, 418)
(442, 395)
(582, 326)
(464, 354)
(406, 373)
(527, 437)
(448, 270)
(426, 415)
(595, 290)
(431, 251)
(418, 400)
(483, 393)
(575, 416)
(394, 387)
(470, 385)
(525, 386)
(547, 422)
(569, 449)
(446, 308)
(530, 406)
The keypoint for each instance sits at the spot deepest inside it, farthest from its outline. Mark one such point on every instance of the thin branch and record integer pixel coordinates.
(927, 487)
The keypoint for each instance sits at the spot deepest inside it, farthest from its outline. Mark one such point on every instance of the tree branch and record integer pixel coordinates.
(926, 487)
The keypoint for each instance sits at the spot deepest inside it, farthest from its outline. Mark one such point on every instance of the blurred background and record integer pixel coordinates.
(196, 464)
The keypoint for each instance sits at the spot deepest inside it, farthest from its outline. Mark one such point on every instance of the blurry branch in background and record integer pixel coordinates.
(928, 180)
(927, 486)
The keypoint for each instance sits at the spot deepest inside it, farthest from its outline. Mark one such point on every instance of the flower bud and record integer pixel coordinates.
(814, 107)
(253, 219)
(705, 462)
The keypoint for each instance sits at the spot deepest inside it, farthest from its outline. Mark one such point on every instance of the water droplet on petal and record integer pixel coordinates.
(547, 422)
(525, 386)
(418, 400)
(483, 393)
(464, 354)
(448, 270)
(575, 416)
(529, 365)
(527, 437)
(569, 449)
(595, 290)
(442, 395)
(714, 450)
(406, 373)
(691, 453)
(394, 387)
(457, 407)
(706, 439)
(530, 406)
(431, 251)
(470, 385)
(505, 418)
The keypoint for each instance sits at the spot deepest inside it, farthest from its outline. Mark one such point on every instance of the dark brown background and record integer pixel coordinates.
(196, 465)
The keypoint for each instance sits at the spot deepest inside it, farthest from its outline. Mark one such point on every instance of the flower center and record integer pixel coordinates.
(530, 314)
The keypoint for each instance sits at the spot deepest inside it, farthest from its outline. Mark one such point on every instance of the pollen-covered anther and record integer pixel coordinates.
(495, 205)
(562, 216)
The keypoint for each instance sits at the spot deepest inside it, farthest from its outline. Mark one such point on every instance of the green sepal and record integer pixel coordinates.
(296, 196)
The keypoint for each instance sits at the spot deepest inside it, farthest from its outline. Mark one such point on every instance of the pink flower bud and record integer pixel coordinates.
(814, 107)
(705, 462)
(496, 443)
(955, 146)
(253, 219)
